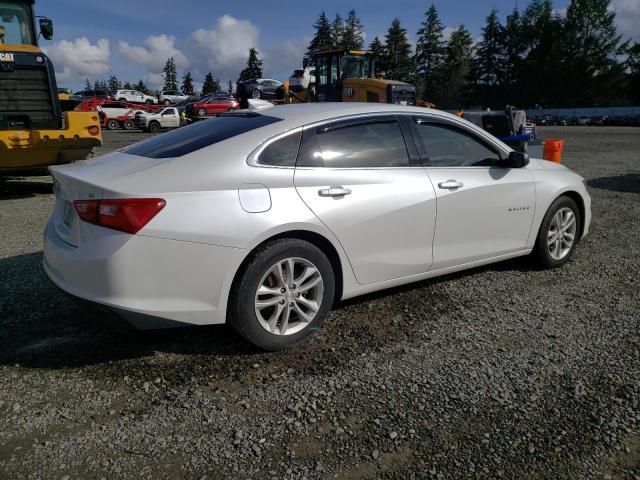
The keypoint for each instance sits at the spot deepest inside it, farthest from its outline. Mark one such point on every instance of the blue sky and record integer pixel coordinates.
(133, 39)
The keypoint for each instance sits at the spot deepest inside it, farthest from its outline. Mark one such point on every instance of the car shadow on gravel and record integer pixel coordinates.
(17, 187)
(628, 183)
(41, 327)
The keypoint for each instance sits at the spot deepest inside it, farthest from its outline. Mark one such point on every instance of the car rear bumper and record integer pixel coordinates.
(152, 282)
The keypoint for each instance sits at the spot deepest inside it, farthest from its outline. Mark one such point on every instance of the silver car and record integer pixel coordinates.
(265, 218)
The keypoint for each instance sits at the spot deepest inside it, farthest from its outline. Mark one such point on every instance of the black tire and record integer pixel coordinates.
(541, 252)
(148, 102)
(202, 112)
(256, 94)
(128, 125)
(167, 102)
(153, 127)
(242, 316)
(112, 124)
(122, 99)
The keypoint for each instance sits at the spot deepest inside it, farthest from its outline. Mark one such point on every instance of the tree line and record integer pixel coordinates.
(536, 57)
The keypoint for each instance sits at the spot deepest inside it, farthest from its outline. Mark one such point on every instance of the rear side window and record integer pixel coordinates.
(199, 135)
(281, 152)
(372, 144)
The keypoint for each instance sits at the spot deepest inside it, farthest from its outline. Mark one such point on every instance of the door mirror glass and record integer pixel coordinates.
(46, 28)
(517, 160)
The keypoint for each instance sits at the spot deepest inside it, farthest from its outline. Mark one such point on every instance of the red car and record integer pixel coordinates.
(213, 105)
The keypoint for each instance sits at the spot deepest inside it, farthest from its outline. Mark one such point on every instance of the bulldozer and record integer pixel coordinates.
(349, 76)
(35, 131)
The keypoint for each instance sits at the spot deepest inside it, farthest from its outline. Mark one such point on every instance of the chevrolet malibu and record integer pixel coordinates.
(264, 219)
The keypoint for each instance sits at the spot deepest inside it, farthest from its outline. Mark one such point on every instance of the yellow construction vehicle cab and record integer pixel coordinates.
(34, 131)
(348, 76)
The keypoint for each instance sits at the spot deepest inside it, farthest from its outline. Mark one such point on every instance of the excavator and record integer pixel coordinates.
(349, 76)
(35, 130)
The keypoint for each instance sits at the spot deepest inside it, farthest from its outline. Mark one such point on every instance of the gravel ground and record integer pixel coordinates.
(499, 372)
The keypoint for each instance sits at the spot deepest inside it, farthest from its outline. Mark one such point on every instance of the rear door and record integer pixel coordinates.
(484, 209)
(357, 178)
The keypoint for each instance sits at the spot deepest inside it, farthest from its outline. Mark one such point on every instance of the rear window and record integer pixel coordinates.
(199, 135)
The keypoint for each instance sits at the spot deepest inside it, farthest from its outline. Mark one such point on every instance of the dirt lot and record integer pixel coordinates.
(500, 372)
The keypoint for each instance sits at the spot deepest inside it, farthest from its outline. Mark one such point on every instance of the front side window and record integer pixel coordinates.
(199, 135)
(447, 146)
(374, 144)
(281, 152)
(15, 24)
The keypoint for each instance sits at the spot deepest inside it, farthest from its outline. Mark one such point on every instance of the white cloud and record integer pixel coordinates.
(79, 58)
(628, 18)
(283, 58)
(155, 52)
(223, 50)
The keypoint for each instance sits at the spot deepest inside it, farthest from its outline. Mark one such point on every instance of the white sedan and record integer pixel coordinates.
(265, 218)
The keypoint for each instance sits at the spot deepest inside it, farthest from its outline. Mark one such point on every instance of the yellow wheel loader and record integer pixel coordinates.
(348, 76)
(34, 131)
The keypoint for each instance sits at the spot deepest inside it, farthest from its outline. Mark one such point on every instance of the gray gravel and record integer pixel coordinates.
(500, 372)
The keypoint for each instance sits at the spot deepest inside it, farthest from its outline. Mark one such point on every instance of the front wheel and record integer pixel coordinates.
(283, 294)
(559, 233)
(153, 127)
(148, 102)
(256, 94)
(202, 112)
(167, 102)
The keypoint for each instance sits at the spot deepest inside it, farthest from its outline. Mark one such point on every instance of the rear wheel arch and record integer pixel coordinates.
(315, 239)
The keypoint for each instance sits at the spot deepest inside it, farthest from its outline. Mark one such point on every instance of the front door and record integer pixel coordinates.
(484, 209)
(356, 177)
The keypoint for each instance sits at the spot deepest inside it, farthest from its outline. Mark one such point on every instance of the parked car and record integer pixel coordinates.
(266, 218)
(212, 105)
(153, 122)
(584, 121)
(172, 96)
(302, 79)
(134, 96)
(260, 88)
(86, 95)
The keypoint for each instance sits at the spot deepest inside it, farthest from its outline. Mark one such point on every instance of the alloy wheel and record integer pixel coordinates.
(562, 233)
(289, 296)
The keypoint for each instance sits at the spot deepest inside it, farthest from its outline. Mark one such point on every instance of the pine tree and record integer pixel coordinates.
(488, 65)
(632, 65)
(187, 84)
(337, 28)
(100, 85)
(377, 52)
(322, 40)
(352, 33)
(141, 87)
(430, 54)
(127, 86)
(230, 87)
(170, 75)
(114, 83)
(254, 66)
(591, 47)
(457, 68)
(210, 85)
(398, 58)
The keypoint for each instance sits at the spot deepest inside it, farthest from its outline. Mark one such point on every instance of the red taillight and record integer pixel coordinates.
(124, 214)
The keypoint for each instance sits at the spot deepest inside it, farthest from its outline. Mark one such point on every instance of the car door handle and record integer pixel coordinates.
(336, 191)
(450, 184)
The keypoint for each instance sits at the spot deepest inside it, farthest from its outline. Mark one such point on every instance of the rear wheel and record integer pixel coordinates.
(128, 125)
(122, 99)
(559, 233)
(112, 124)
(202, 112)
(255, 93)
(148, 102)
(283, 294)
(153, 127)
(167, 102)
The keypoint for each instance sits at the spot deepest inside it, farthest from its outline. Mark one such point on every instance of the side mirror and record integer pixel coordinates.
(517, 160)
(46, 28)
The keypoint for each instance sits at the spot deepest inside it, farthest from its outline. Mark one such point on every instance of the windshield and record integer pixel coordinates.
(15, 24)
(355, 66)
